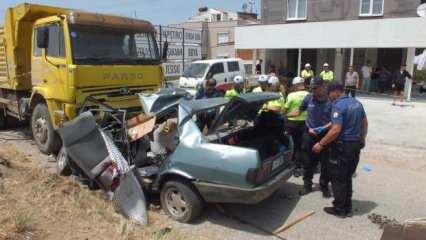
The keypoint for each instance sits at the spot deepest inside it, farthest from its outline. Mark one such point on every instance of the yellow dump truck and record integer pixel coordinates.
(52, 59)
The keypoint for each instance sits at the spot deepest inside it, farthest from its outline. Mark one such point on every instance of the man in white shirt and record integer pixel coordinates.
(351, 82)
(366, 76)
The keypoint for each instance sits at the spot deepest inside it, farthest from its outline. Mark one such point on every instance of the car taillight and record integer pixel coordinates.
(256, 176)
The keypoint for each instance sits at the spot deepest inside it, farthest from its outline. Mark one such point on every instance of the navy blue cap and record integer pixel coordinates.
(335, 85)
(316, 82)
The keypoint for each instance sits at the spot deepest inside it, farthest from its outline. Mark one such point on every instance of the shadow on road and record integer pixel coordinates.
(363, 207)
(264, 217)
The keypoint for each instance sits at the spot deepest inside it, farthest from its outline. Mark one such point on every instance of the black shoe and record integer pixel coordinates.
(305, 191)
(297, 172)
(349, 214)
(326, 193)
(334, 212)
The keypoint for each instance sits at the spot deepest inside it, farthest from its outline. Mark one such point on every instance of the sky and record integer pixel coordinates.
(157, 11)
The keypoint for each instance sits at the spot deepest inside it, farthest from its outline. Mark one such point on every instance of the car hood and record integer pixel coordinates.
(162, 100)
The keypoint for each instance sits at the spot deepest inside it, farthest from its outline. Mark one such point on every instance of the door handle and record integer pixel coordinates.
(44, 81)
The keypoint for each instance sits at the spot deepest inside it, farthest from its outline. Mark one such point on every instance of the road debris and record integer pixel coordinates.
(294, 222)
(381, 220)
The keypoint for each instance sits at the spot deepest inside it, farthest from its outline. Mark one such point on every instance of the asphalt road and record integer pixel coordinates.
(394, 186)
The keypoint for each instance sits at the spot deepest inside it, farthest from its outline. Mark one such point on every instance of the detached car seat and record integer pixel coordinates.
(85, 145)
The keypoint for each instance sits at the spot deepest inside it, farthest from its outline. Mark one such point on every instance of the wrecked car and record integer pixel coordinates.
(242, 156)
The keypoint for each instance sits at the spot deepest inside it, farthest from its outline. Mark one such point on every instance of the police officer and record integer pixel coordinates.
(307, 74)
(318, 107)
(237, 89)
(327, 75)
(263, 84)
(296, 124)
(278, 105)
(346, 138)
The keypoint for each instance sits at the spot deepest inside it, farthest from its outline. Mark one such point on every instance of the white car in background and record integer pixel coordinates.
(223, 70)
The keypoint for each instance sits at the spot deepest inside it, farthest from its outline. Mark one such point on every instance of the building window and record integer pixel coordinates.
(371, 8)
(223, 38)
(296, 9)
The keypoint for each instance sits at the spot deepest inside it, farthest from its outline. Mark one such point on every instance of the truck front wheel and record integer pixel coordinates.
(45, 136)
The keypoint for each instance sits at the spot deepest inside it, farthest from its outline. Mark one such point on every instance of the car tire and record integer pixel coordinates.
(45, 136)
(63, 167)
(181, 201)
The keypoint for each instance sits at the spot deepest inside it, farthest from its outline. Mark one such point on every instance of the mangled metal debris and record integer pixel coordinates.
(97, 158)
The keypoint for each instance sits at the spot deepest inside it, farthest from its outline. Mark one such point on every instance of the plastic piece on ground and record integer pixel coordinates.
(367, 168)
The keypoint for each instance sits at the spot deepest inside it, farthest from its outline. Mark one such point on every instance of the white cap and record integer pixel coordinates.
(238, 79)
(273, 80)
(307, 65)
(298, 80)
(263, 79)
(326, 65)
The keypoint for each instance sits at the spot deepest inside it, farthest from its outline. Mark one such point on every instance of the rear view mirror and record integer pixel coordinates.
(165, 50)
(42, 37)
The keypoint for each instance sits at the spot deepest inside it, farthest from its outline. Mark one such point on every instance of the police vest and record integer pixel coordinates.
(327, 76)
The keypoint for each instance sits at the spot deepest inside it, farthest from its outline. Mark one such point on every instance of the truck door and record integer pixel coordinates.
(49, 66)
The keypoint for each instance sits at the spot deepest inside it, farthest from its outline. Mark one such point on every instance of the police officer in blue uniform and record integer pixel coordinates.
(346, 138)
(318, 106)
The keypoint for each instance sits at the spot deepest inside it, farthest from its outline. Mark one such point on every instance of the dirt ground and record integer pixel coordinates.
(37, 204)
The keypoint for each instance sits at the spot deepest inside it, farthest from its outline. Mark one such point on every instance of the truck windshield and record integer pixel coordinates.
(111, 46)
(196, 70)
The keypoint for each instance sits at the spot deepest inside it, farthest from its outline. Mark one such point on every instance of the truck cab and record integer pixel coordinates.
(55, 58)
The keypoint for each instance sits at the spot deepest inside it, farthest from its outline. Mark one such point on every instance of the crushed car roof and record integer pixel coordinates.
(195, 106)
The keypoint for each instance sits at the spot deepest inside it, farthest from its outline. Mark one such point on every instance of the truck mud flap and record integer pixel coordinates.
(130, 199)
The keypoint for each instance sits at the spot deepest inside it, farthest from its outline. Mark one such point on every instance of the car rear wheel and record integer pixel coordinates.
(181, 201)
(45, 136)
(63, 167)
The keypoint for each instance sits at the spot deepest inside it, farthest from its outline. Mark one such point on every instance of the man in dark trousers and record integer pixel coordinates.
(398, 83)
(318, 107)
(346, 138)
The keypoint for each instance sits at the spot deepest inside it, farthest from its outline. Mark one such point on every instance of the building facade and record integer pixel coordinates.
(339, 32)
(218, 30)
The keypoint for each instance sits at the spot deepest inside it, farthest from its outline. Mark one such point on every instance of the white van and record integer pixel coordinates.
(223, 70)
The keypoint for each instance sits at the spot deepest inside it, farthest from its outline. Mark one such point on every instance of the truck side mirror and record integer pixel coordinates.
(42, 37)
(165, 50)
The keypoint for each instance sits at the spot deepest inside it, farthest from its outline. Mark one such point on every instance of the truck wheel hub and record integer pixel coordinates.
(176, 203)
(41, 130)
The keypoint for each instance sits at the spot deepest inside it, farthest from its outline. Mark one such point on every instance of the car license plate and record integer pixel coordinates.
(277, 163)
